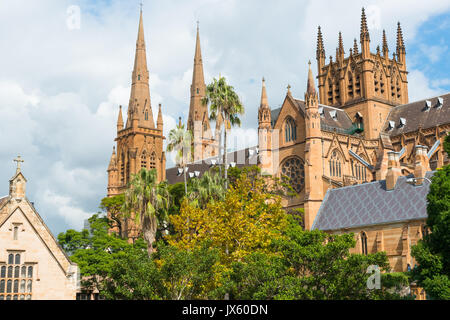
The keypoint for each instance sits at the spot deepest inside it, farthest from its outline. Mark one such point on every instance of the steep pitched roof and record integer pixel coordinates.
(370, 203)
(242, 158)
(342, 122)
(417, 114)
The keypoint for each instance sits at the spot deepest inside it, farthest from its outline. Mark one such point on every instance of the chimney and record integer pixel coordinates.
(394, 170)
(421, 164)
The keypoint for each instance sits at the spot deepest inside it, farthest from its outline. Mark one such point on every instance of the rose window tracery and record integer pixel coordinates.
(294, 169)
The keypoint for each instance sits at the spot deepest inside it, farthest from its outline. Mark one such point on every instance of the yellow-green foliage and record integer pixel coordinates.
(245, 222)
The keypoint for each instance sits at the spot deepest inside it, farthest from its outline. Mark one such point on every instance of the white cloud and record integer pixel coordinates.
(420, 86)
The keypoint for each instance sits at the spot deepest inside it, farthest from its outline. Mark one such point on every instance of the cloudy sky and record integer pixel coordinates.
(63, 75)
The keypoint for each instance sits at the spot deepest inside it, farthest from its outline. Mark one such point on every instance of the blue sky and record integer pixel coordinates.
(60, 87)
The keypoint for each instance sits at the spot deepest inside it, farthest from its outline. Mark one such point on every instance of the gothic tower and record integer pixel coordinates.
(265, 133)
(313, 153)
(139, 142)
(367, 85)
(198, 119)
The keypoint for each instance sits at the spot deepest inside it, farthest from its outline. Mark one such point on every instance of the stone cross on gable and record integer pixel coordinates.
(18, 160)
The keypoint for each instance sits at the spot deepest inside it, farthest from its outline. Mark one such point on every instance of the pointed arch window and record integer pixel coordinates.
(335, 164)
(146, 114)
(290, 130)
(350, 84)
(153, 160)
(363, 243)
(122, 169)
(144, 160)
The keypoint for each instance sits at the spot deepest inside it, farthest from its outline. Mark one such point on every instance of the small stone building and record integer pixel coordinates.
(32, 264)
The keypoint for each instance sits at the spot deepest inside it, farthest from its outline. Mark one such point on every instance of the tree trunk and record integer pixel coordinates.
(225, 161)
(149, 231)
(185, 181)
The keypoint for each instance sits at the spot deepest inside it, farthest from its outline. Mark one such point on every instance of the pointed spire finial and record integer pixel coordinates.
(364, 29)
(264, 101)
(18, 160)
(320, 53)
(310, 87)
(289, 88)
(385, 44)
(400, 43)
(159, 121)
(341, 44)
(179, 122)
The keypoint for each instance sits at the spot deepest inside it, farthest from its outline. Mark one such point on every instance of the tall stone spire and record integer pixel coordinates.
(139, 107)
(264, 116)
(198, 88)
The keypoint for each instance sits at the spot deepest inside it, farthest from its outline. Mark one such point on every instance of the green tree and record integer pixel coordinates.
(180, 140)
(147, 201)
(224, 105)
(169, 274)
(209, 187)
(95, 250)
(113, 206)
(432, 253)
(308, 265)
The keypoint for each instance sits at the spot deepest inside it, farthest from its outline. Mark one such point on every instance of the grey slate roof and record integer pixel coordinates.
(417, 115)
(240, 157)
(342, 120)
(370, 203)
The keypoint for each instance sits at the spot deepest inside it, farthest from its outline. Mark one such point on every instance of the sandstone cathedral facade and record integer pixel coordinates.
(356, 137)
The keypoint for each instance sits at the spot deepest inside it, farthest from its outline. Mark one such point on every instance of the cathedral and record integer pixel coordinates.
(351, 147)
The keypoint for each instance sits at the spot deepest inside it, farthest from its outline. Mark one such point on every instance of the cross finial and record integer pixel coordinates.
(18, 160)
(141, 5)
(289, 88)
(198, 23)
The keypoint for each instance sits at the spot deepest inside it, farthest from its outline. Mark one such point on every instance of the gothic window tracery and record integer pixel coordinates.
(350, 85)
(290, 130)
(144, 160)
(294, 169)
(335, 164)
(122, 169)
(153, 160)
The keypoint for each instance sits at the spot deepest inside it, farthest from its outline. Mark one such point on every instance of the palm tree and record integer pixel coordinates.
(149, 201)
(225, 104)
(208, 187)
(180, 140)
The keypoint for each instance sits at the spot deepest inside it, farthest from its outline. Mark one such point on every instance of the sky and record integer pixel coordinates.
(65, 67)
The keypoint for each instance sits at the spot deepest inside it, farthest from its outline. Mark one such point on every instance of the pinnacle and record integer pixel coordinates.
(310, 87)
(385, 45)
(355, 47)
(341, 44)
(320, 50)
(264, 101)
